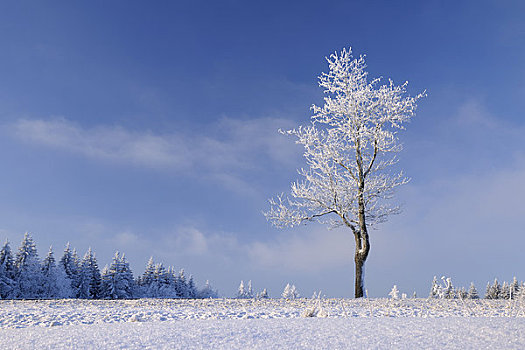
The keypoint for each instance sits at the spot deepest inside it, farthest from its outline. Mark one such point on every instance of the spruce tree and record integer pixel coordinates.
(7, 273)
(435, 289)
(241, 292)
(117, 280)
(505, 291)
(147, 278)
(50, 285)
(472, 292)
(514, 288)
(29, 274)
(263, 294)
(70, 266)
(89, 279)
(181, 285)
(192, 290)
(208, 291)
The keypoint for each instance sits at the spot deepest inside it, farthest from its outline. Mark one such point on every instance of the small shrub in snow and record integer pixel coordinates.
(290, 292)
(394, 293)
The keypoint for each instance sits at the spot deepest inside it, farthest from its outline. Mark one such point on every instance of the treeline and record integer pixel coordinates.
(24, 276)
(446, 290)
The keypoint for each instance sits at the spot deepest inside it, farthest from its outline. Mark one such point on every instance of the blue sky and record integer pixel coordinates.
(151, 128)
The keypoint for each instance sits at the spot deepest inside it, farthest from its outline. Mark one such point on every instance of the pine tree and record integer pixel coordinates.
(181, 286)
(147, 277)
(263, 294)
(241, 291)
(394, 293)
(89, 278)
(69, 265)
(7, 273)
(117, 280)
(29, 274)
(462, 293)
(249, 292)
(472, 292)
(448, 291)
(192, 290)
(496, 289)
(50, 286)
(290, 292)
(435, 290)
(505, 291)
(208, 291)
(514, 288)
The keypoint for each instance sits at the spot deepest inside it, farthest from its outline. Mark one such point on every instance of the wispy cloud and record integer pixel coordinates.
(226, 149)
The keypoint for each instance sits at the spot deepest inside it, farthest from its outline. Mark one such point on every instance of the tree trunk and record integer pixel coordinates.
(362, 243)
(359, 263)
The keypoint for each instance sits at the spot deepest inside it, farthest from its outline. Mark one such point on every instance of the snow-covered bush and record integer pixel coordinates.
(290, 292)
(394, 293)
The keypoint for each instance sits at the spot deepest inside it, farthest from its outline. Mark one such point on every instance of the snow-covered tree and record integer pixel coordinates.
(448, 290)
(290, 292)
(28, 271)
(242, 292)
(89, 278)
(7, 273)
(494, 290)
(514, 288)
(505, 291)
(461, 293)
(181, 287)
(350, 149)
(50, 285)
(147, 277)
(208, 291)
(117, 279)
(263, 294)
(394, 293)
(192, 290)
(436, 291)
(472, 292)
(71, 268)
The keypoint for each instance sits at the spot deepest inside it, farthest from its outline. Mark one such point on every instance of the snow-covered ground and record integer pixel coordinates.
(265, 324)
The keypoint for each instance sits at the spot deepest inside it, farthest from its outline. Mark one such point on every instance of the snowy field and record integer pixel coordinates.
(264, 324)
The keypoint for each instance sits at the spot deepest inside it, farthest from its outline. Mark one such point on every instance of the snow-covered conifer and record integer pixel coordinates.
(181, 287)
(290, 292)
(436, 291)
(448, 290)
(208, 292)
(70, 266)
(89, 278)
(505, 291)
(147, 277)
(29, 274)
(241, 291)
(495, 290)
(514, 288)
(472, 292)
(462, 293)
(117, 280)
(192, 290)
(263, 294)
(8, 283)
(394, 293)
(50, 286)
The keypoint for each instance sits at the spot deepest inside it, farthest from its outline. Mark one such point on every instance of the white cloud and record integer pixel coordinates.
(222, 152)
(108, 143)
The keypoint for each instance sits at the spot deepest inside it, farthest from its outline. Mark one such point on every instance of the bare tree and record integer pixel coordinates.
(350, 148)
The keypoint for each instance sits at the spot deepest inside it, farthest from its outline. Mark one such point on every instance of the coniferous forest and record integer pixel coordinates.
(24, 276)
